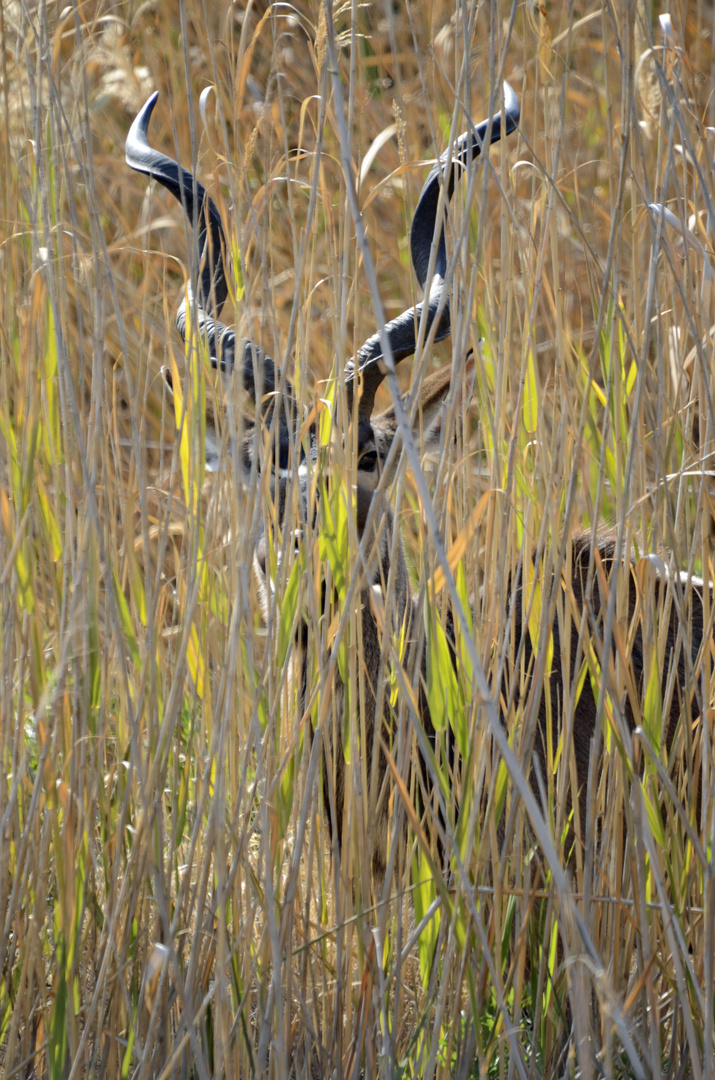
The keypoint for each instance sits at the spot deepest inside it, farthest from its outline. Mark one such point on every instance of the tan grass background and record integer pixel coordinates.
(170, 902)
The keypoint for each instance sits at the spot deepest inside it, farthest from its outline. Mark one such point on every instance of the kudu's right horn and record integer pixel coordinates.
(401, 331)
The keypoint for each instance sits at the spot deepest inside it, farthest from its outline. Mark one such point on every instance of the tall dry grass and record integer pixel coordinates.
(172, 905)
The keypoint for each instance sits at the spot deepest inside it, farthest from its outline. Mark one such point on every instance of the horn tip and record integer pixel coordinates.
(140, 125)
(511, 108)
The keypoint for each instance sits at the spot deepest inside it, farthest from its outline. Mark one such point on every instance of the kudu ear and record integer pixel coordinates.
(433, 400)
(429, 420)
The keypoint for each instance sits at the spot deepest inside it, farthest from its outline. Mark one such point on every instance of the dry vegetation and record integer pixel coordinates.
(170, 902)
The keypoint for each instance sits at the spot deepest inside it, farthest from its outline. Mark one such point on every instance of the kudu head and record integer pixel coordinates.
(272, 394)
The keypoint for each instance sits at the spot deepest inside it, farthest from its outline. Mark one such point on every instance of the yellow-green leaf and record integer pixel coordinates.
(655, 819)
(424, 893)
(653, 708)
(195, 662)
(52, 532)
(289, 608)
(442, 689)
(530, 410)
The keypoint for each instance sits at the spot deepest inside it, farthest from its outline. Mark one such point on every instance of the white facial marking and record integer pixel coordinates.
(287, 474)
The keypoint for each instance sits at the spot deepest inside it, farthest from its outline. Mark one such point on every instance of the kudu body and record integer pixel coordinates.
(384, 559)
(588, 568)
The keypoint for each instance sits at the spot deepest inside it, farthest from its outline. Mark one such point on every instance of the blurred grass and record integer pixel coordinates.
(170, 899)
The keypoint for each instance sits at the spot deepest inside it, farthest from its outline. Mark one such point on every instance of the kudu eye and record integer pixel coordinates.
(368, 461)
